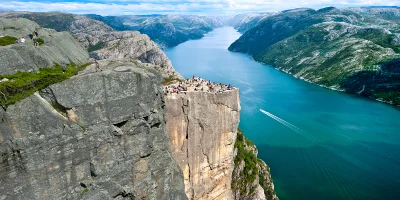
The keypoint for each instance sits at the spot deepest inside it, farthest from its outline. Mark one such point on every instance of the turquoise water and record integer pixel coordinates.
(320, 144)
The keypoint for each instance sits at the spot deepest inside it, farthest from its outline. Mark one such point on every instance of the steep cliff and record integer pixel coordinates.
(94, 136)
(202, 129)
(58, 47)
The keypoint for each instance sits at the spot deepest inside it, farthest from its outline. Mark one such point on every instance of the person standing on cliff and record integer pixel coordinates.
(97, 65)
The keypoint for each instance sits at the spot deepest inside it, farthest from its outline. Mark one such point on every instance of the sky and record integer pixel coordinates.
(197, 7)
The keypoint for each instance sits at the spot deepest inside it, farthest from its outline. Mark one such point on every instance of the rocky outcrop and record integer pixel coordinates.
(102, 39)
(94, 136)
(88, 31)
(251, 177)
(202, 130)
(58, 48)
(132, 44)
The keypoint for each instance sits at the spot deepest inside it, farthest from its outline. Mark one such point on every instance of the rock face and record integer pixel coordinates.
(58, 47)
(94, 136)
(202, 130)
(132, 44)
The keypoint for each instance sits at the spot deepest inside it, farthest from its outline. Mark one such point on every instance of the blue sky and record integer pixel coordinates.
(199, 7)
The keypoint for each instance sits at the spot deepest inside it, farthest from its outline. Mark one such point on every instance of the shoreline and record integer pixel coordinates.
(323, 86)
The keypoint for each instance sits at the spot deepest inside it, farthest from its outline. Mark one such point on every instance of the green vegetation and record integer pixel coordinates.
(170, 79)
(243, 180)
(383, 84)
(352, 64)
(250, 168)
(97, 46)
(250, 171)
(40, 41)
(7, 40)
(24, 84)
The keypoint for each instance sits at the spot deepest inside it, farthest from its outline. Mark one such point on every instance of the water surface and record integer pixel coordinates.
(320, 144)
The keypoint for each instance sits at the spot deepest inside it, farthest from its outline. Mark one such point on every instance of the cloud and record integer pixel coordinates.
(135, 7)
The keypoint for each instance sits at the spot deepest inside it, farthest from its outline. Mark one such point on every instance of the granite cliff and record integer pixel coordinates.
(94, 136)
(202, 129)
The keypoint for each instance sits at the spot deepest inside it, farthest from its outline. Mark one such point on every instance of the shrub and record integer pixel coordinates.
(250, 171)
(7, 40)
(40, 41)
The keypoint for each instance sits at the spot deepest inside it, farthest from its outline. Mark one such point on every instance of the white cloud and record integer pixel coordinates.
(125, 7)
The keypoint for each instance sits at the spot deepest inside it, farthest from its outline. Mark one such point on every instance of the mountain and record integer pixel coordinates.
(166, 30)
(96, 35)
(353, 50)
(244, 22)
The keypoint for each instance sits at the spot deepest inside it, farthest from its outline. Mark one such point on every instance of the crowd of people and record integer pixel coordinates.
(197, 84)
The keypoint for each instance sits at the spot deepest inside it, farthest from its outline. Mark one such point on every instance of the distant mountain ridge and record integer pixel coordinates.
(166, 30)
(354, 50)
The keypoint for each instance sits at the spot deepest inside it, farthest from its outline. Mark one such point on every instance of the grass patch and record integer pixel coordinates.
(170, 79)
(7, 40)
(24, 84)
(40, 41)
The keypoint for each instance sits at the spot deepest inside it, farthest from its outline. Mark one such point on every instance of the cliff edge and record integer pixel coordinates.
(205, 142)
(202, 127)
(94, 136)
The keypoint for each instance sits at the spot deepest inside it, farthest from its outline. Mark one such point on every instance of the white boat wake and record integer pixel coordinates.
(336, 151)
(289, 125)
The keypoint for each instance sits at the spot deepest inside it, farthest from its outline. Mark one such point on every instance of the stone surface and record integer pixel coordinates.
(132, 44)
(117, 147)
(202, 130)
(58, 47)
